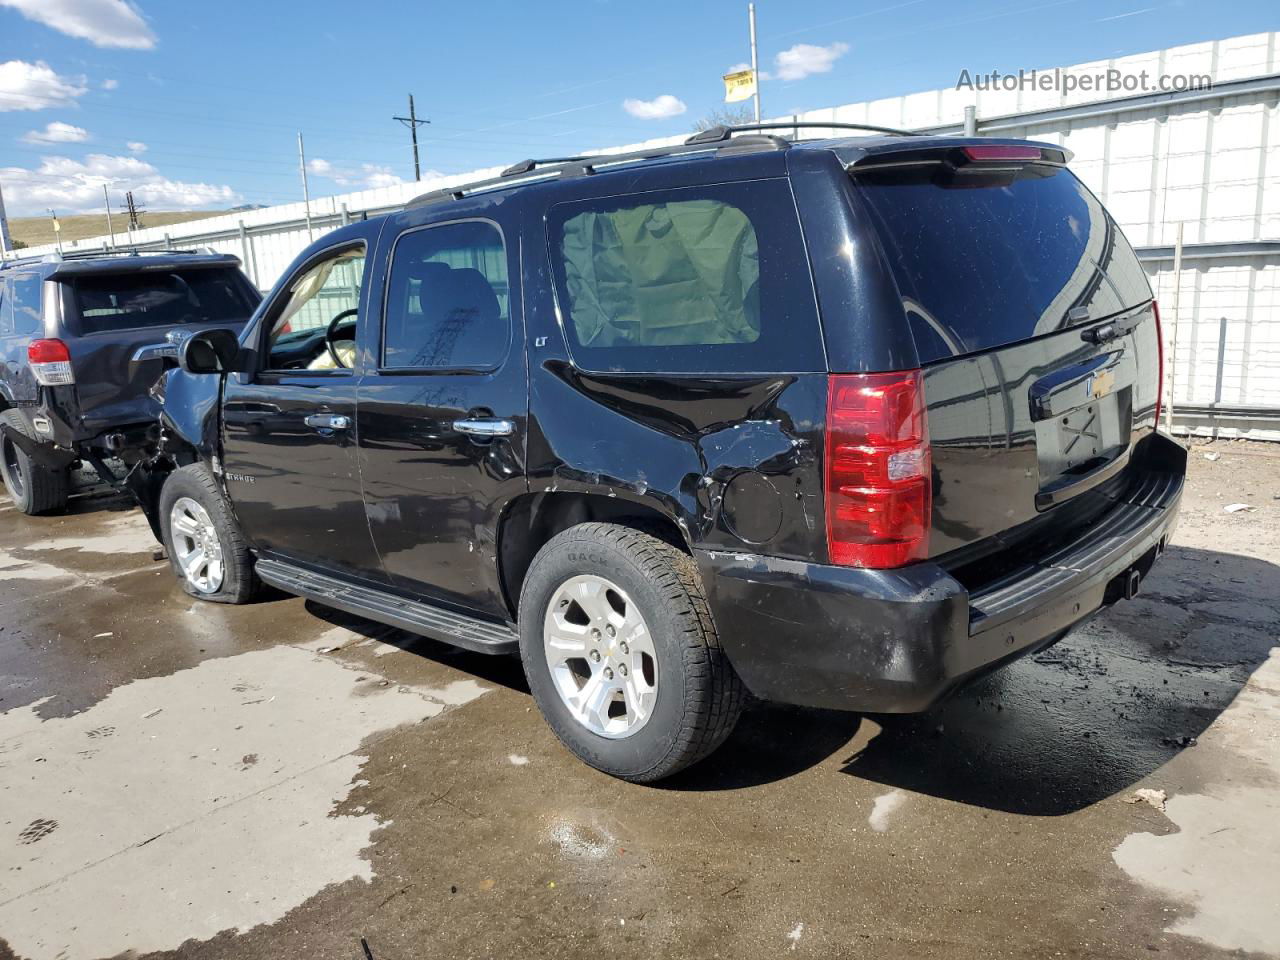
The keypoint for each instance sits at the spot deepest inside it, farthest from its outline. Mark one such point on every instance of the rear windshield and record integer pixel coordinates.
(987, 263)
(159, 298)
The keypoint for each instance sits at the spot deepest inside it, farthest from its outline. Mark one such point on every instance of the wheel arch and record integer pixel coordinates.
(534, 518)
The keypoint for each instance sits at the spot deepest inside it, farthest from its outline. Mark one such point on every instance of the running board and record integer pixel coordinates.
(414, 616)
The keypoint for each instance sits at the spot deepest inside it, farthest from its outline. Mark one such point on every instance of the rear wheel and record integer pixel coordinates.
(33, 487)
(203, 540)
(621, 654)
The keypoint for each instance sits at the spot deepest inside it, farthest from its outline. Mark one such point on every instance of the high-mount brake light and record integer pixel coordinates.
(50, 363)
(878, 476)
(998, 151)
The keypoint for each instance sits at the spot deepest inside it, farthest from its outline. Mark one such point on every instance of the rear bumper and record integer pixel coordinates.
(898, 641)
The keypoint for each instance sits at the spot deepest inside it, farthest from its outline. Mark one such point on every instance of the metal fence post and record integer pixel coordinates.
(1171, 366)
(971, 121)
(244, 250)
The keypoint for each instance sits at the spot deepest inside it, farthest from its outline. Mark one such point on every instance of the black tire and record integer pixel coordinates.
(33, 487)
(239, 584)
(699, 696)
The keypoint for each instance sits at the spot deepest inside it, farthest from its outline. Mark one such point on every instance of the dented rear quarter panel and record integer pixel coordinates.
(734, 461)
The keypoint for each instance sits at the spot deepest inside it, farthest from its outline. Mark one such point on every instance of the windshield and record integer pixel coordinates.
(992, 262)
(160, 298)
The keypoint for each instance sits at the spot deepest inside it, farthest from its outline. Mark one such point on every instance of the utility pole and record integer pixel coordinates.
(6, 242)
(755, 69)
(110, 229)
(412, 122)
(134, 210)
(306, 193)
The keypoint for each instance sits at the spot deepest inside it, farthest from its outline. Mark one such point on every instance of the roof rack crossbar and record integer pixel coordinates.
(720, 133)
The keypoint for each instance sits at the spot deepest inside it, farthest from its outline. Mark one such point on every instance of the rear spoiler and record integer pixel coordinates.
(975, 154)
(72, 268)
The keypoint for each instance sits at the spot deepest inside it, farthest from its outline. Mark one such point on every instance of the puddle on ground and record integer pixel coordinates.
(128, 533)
(185, 805)
(1221, 860)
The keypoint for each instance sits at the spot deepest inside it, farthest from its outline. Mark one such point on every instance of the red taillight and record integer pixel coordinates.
(50, 362)
(997, 151)
(48, 351)
(878, 485)
(1155, 309)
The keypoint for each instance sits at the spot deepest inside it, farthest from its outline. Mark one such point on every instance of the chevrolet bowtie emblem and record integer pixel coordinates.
(1101, 384)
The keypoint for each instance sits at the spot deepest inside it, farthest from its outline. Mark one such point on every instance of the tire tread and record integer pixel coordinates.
(715, 696)
(46, 490)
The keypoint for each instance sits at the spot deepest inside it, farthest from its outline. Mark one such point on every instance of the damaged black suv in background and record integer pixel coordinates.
(840, 422)
(70, 326)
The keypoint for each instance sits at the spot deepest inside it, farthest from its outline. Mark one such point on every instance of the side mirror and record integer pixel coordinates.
(210, 351)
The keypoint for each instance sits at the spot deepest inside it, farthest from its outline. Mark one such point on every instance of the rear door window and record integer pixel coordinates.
(160, 298)
(448, 300)
(698, 280)
(985, 263)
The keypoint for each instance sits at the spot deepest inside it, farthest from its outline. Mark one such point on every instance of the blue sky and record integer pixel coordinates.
(198, 104)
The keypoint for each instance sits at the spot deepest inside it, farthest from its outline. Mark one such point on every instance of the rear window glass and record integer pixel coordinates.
(159, 298)
(700, 280)
(992, 262)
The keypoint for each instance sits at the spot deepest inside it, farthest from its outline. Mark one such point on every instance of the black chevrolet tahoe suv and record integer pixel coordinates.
(70, 389)
(839, 422)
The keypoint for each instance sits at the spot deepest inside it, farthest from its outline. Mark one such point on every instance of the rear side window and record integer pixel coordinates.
(698, 280)
(159, 298)
(985, 263)
(26, 305)
(448, 299)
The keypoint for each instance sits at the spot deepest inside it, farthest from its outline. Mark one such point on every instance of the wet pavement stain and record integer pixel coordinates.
(474, 833)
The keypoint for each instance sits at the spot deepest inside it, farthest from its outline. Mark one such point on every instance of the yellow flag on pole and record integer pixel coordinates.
(740, 85)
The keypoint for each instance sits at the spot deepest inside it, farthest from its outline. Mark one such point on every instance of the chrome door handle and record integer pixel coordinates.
(327, 421)
(486, 427)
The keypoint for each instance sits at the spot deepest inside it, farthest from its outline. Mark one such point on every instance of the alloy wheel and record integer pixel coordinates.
(601, 656)
(195, 545)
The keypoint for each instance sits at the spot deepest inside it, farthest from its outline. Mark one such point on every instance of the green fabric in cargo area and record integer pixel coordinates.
(663, 274)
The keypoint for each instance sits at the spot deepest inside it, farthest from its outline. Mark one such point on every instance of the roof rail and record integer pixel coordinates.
(527, 166)
(61, 257)
(720, 133)
(530, 171)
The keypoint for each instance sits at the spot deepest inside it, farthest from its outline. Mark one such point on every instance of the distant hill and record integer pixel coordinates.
(36, 231)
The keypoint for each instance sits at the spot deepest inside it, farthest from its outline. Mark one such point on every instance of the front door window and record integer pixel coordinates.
(316, 330)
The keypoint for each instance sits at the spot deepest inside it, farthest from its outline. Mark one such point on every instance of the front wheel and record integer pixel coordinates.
(621, 654)
(203, 540)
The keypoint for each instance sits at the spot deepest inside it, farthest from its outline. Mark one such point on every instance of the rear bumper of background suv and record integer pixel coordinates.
(898, 641)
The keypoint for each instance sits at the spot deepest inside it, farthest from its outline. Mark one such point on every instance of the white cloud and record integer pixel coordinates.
(104, 23)
(365, 177)
(57, 132)
(655, 109)
(805, 59)
(76, 186)
(35, 86)
(110, 84)
(136, 146)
